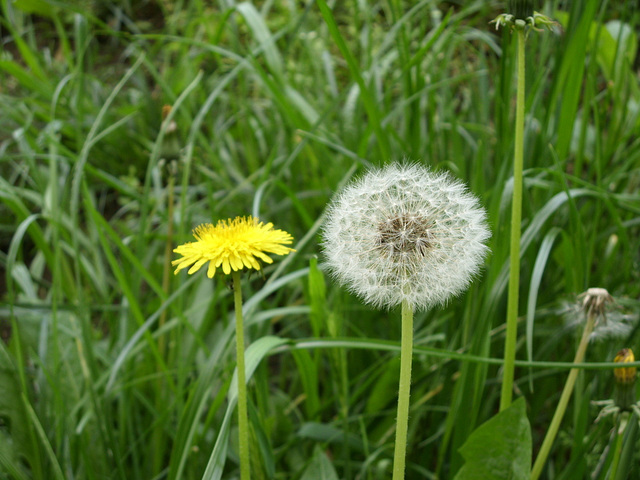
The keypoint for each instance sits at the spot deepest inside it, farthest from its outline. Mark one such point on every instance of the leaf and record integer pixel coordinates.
(320, 467)
(626, 465)
(500, 448)
(253, 356)
(327, 433)
(39, 7)
(11, 405)
(318, 297)
(263, 36)
(536, 280)
(9, 459)
(385, 389)
(308, 370)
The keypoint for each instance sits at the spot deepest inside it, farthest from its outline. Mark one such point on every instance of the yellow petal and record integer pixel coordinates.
(236, 263)
(226, 268)
(211, 271)
(197, 265)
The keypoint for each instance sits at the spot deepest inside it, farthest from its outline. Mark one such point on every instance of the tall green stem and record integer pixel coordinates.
(243, 418)
(404, 390)
(564, 400)
(516, 216)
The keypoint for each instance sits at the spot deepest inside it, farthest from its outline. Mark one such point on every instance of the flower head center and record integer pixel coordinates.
(405, 235)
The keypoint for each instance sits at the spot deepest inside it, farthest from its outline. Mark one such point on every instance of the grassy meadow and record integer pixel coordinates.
(125, 124)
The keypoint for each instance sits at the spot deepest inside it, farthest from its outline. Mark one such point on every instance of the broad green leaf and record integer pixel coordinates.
(320, 467)
(500, 448)
(385, 389)
(309, 376)
(322, 432)
(39, 7)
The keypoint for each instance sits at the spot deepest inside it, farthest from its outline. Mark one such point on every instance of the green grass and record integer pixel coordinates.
(112, 367)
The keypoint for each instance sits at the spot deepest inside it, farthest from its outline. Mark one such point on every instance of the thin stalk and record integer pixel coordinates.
(243, 418)
(168, 248)
(404, 390)
(516, 217)
(564, 399)
(158, 434)
(344, 386)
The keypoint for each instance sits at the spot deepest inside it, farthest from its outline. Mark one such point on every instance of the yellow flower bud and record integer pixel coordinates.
(625, 375)
(625, 388)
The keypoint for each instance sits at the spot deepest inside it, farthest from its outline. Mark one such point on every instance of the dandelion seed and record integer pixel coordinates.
(404, 233)
(233, 244)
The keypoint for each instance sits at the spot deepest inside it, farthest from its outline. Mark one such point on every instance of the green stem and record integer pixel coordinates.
(564, 400)
(243, 418)
(344, 385)
(404, 390)
(516, 216)
(619, 435)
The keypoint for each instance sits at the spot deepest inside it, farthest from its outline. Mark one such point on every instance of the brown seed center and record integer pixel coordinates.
(405, 235)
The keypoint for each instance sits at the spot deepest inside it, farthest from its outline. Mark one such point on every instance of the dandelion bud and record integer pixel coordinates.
(625, 388)
(625, 375)
(404, 233)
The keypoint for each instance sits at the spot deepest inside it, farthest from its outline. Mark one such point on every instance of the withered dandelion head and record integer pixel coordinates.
(405, 233)
(233, 244)
(610, 320)
(594, 301)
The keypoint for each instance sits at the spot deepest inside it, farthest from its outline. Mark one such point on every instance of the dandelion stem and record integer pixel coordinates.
(564, 399)
(404, 390)
(243, 418)
(516, 216)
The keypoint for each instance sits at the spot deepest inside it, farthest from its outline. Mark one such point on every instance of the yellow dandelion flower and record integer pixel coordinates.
(233, 244)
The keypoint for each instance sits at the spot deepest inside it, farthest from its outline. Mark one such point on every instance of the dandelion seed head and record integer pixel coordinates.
(405, 233)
